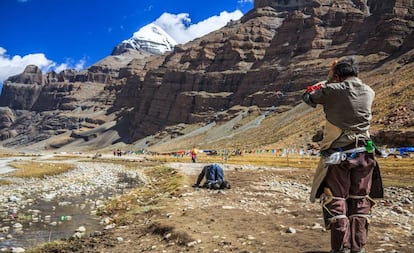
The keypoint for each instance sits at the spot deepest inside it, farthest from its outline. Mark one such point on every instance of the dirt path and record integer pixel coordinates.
(266, 210)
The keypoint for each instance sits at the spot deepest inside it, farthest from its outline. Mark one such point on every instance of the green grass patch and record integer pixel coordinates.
(163, 182)
(55, 246)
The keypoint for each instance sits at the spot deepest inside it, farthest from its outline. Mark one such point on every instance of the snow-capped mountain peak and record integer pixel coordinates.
(150, 38)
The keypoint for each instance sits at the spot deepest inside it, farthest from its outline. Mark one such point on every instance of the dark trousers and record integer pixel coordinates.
(350, 183)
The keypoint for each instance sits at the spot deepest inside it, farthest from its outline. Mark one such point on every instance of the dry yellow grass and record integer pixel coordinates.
(27, 169)
(392, 92)
(4, 182)
(264, 159)
(395, 171)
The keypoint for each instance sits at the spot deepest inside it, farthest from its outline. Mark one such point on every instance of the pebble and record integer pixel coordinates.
(17, 250)
(81, 229)
(250, 237)
(191, 244)
(291, 230)
(110, 226)
(317, 226)
(78, 235)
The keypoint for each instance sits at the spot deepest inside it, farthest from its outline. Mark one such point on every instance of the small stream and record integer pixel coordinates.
(36, 211)
(45, 221)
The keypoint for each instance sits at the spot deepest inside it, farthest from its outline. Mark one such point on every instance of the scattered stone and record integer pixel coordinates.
(81, 229)
(13, 199)
(5, 229)
(291, 230)
(106, 220)
(17, 227)
(110, 226)
(17, 250)
(191, 244)
(78, 235)
(317, 226)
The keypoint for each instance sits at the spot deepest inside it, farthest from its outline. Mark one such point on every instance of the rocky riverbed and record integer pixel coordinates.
(33, 210)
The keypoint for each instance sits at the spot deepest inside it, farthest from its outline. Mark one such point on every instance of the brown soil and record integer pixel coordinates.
(253, 216)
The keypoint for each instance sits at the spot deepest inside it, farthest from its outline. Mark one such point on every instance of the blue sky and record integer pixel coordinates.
(59, 34)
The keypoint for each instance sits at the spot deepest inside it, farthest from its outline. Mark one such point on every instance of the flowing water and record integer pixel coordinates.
(45, 221)
(37, 211)
(4, 167)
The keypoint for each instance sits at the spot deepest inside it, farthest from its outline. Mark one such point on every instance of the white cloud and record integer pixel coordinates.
(80, 65)
(245, 1)
(182, 30)
(10, 66)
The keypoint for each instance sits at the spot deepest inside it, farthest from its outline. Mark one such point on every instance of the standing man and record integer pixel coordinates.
(347, 176)
(193, 153)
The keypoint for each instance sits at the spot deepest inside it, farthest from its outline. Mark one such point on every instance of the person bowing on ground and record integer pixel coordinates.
(214, 175)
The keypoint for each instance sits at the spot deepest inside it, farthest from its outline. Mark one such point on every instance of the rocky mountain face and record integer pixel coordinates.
(210, 90)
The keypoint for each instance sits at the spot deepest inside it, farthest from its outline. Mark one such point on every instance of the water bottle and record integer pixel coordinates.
(370, 146)
(335, 158)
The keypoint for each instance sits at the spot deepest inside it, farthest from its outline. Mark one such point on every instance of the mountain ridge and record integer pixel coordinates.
(243, 80)
(150, 38)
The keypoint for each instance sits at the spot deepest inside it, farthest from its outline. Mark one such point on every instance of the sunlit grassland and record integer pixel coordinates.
(264, 159)
(35, 169)
(395, 171)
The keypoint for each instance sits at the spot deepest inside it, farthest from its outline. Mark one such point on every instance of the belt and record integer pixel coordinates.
(339, 156)
(352, 146)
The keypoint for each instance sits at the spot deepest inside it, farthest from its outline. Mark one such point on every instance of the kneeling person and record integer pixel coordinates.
(214, 177)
